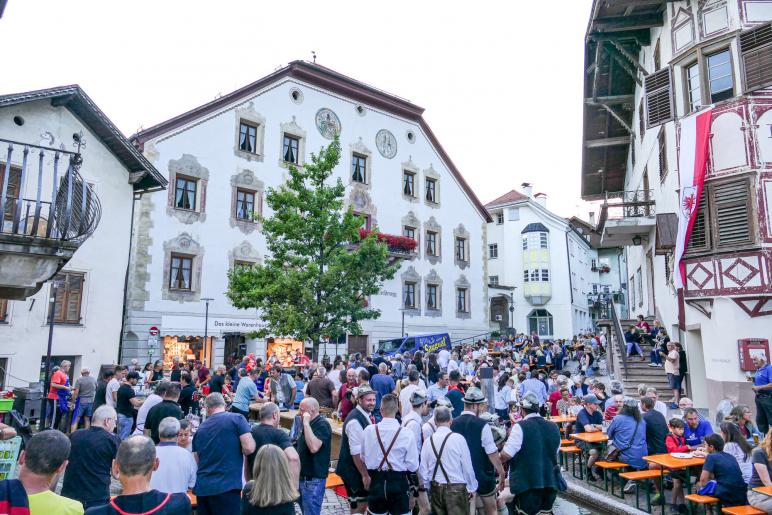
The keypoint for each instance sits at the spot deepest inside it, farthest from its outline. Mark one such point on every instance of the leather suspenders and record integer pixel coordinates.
(438, 455)
(385, 451)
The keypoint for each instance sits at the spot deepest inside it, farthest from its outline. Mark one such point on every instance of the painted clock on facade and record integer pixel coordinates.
(386, 143)
(328, 123)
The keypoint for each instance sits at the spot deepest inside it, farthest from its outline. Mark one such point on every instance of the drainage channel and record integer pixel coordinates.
(565, 506)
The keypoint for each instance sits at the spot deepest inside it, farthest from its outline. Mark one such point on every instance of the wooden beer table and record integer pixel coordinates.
(766, 490)
(668, 462)
(595, 437)
(287, 418)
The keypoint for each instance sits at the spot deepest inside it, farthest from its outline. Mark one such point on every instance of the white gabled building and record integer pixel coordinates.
(547, 262)
(221, 158)
(54, 126)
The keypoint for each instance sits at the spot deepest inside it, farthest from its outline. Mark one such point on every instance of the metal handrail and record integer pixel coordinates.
(73, 212)
(618, 332)
(626, 204)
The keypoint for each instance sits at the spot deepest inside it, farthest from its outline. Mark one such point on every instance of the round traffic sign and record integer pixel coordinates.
(153, 331)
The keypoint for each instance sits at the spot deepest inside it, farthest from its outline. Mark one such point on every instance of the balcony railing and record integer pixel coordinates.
(619, 205)
(45, 196)
(397, 245)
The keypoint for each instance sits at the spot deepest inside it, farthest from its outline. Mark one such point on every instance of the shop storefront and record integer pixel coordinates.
(187, 349)
(222, 342)
(285, 350)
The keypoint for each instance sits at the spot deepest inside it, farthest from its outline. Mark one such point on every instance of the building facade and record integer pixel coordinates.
(540, 265)
(222, 157)
(88, 302)
(647, 69)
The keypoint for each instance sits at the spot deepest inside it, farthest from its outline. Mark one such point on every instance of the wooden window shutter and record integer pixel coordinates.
(641, 120)
(698, 240)
(662, 146)
(3, 310)
(667, 233)
(756, 56)
(658, 91)
(731, 207)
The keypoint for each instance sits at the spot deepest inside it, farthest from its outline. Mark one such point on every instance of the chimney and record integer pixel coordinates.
(541, 199)
(592, 218)
(527, 189)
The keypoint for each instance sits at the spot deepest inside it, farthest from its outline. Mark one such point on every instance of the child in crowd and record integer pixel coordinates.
(675, 442)
(299, 388)
(576, 405)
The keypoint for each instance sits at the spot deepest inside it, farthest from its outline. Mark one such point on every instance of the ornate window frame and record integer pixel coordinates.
(248, 114)
(243, 252)
(433, 279)
(707, 7)
(410, 167)
(360, 149)
(411, 276)
(682, 19)
(293, 129)
(188, 166)
(431, 173)
(463, 283)
(246, 180)
(460, 232)
(411, 220)
(432, 226)
(186, 245)
(361, 203)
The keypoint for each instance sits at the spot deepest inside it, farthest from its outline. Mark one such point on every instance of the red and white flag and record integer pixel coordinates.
(692, 161)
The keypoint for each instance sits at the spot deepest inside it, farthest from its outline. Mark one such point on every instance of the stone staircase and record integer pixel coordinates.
(638, 371)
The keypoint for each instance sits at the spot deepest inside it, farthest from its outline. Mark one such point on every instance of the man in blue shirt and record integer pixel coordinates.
(246, 392)
(383, 384)
(219, 446)
(696, 429)
(535, 386)
(762, 386)
(438, 389)
(589, 420)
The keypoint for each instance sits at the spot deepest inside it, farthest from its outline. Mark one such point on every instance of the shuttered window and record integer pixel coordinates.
(69, 296)
(662, 145)
(756, 55)
(641, 120)
(731, 207)
(659, 106)
(3, 311)
(699, 238)
(724, 218)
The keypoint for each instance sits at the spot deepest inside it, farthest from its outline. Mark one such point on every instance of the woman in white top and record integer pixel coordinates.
(736, 445)
(503, 387)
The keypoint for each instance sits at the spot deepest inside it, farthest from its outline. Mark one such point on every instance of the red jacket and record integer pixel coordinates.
(676, 443)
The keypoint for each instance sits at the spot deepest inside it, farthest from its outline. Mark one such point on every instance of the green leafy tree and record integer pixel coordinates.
(319, 273)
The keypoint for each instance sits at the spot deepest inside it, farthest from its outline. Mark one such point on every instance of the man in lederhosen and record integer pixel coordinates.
(413, 422)
(446, 468)
(482, 447)
(351, 467)
(533, 448)
(390, 454)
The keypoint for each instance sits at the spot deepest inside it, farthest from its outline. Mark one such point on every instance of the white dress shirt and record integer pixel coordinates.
(176, 469)
(488, 444)
(404, 453)
(151, 401)
(515, 441)
(413, 422)
(429, 428)
(452, 365)
(334, 376)
(354, 431)
(442, 358)
(455, 459)
(404, 399)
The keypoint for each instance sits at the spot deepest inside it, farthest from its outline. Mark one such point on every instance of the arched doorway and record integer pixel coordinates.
(540, 323)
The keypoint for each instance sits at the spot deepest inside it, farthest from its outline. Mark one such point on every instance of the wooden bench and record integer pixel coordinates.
(573, 451)
(566, 442)
(643, 475)
(610, 467)
(704, 500)
(742, 510)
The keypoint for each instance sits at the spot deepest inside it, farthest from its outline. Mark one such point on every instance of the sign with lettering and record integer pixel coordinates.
(189, 325)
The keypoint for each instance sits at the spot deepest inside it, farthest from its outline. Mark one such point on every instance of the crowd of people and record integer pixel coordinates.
(417, 434)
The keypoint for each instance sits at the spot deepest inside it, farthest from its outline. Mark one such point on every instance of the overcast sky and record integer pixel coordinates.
(501, 82)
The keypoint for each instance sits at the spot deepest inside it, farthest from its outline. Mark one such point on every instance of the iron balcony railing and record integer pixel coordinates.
(619, 205)
(43, 196)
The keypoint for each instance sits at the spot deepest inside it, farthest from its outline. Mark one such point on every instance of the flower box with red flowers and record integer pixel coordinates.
(396, 244)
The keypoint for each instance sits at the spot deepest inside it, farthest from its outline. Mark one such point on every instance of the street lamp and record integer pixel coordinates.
(405, 307)
(206, 319)
(55, 284)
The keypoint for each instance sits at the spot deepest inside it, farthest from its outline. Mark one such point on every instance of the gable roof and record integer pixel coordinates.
(329, 80)
(507, 198)
(75, 99)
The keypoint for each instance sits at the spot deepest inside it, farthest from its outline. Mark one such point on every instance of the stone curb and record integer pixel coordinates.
(597, 499)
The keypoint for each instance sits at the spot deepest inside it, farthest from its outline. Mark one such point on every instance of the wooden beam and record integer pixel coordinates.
(598, 54)
(612, 100)
(625, 66)
(618, 118)
(630, 57)
(624, 23)
(607, 142)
